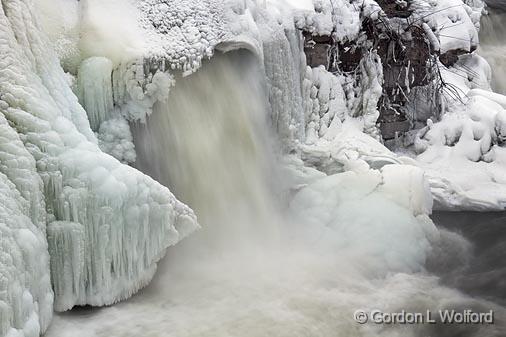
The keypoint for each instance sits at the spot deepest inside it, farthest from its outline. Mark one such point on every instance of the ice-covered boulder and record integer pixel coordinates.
(379, 210)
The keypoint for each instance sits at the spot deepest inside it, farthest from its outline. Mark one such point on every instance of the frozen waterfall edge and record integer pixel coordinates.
(54, 178)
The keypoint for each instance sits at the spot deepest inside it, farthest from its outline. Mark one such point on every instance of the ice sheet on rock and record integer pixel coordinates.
(26, 298)
(20, 27)
(18, 166)
(283, 58)
(129, 219)
(94, 87)
(95, 93)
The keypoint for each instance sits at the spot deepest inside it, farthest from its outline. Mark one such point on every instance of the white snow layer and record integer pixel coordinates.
(463, 154)
(108, 224)
(452, 21)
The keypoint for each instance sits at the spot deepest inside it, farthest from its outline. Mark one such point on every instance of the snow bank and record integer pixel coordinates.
(339, 18)
(452, 21)
(463, 153)
(464, 157)
(122, 219)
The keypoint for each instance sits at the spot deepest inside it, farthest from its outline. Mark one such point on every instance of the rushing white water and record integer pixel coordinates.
(251, 271)
(493, 45)
(211, 150)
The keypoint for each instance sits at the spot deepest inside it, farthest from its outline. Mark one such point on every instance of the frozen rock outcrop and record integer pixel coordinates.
(463, 152)
(26, 298)
(108, 224)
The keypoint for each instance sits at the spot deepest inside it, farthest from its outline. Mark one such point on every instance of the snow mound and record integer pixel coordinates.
(455, 23)
(463, 153)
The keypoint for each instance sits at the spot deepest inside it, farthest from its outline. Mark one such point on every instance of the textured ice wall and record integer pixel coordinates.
(282, 49)
(26, 298)
(108, 223)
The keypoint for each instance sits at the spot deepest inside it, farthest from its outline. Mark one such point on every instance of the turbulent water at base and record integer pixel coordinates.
(484, 273)
(248, 272)
(493, 44)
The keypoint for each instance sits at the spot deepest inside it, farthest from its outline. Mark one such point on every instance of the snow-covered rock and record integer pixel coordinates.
(463, 152)
(454, 23)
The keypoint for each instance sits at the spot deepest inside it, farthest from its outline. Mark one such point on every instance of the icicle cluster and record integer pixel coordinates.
(108, 224)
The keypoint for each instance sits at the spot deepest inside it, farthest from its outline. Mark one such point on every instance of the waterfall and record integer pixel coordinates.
(493, 46)
(209, 144)
(349, 241)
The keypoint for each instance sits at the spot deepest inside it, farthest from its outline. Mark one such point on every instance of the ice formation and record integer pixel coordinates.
(250, 271)
(104, 226)
(26, 298)
(107, 223)
(340, 114)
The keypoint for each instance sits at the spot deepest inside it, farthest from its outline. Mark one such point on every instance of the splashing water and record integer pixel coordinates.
(493, 46)
(250, 272)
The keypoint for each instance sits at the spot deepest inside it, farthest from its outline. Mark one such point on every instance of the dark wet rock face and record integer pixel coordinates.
(319, 50)
(394, 8)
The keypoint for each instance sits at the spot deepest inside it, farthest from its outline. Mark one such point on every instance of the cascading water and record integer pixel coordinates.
(209, 145)
(253, 271)
(492, 44)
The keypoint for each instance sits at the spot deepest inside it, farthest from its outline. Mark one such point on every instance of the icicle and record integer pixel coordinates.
(95, 89)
